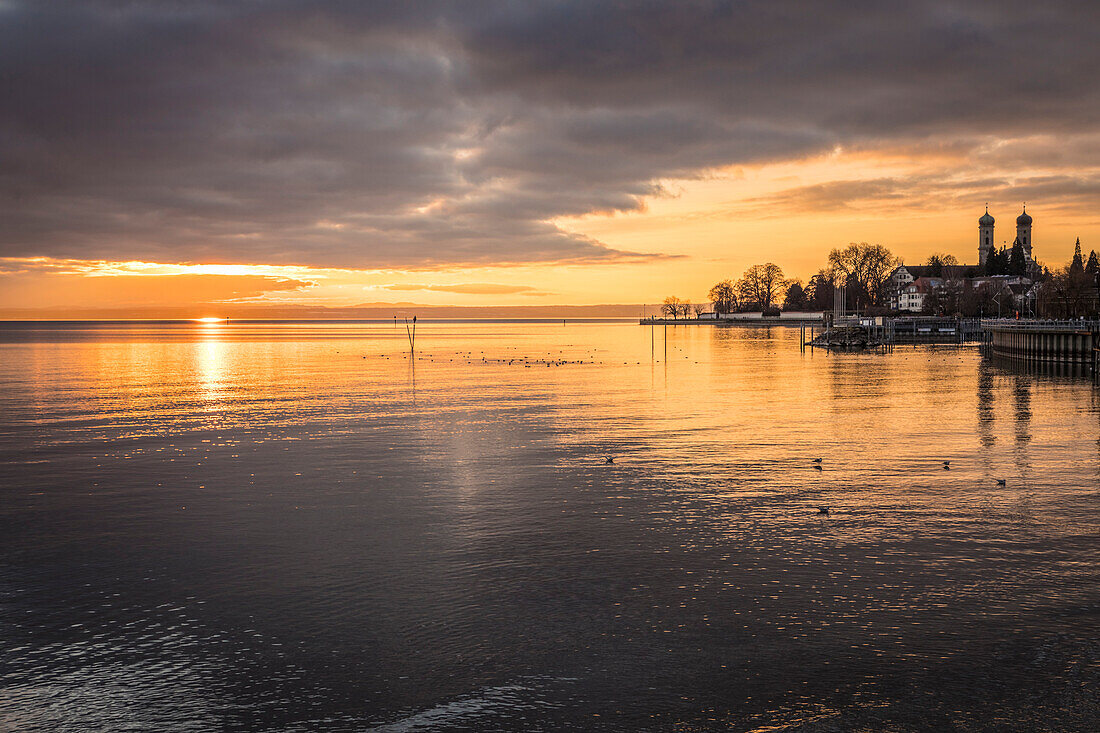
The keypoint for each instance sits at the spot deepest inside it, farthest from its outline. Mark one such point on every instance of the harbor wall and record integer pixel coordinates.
(1066, 342)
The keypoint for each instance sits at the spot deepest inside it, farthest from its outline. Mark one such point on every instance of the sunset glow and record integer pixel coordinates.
(613, 179)
(551, 365)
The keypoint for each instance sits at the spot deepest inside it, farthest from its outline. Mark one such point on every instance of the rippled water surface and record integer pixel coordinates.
(296, 527)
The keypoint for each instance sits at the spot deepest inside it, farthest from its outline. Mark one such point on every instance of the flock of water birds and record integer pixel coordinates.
(817, 464)
(468, 357)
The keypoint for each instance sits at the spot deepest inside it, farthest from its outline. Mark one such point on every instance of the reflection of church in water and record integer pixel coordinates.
(987, 244)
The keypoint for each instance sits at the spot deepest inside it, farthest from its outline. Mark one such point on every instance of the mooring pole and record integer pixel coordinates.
(411, 333)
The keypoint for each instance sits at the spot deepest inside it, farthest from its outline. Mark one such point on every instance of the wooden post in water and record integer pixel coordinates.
(411, 333)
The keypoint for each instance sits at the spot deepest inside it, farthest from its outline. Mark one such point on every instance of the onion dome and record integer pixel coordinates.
(986, 220)
(1023, 220)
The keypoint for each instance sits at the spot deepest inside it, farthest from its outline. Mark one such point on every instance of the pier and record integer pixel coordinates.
(1061, 342)
(856, 332)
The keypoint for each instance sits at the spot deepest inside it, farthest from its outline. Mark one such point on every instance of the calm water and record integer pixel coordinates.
(295, 527)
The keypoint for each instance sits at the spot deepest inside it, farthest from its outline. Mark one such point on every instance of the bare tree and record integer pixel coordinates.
(671, 307)
(1067, 292)
(762, 284)
(724, 297)
(864, 269)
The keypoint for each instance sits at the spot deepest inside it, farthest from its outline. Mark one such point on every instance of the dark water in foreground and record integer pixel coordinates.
(294, 528)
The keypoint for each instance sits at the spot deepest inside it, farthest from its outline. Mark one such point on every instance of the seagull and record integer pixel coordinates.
(610, 459)
(1000, 482)
(823, 510)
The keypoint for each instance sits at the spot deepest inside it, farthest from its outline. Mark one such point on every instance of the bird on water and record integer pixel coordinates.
(610, 459)
(1001, 482)
(823, 510)
(816, 460)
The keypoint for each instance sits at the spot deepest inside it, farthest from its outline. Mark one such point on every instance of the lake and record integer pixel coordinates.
(303, 527)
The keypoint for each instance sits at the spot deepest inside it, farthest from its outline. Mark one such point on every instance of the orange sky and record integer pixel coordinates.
(164, 161)
(710, 228)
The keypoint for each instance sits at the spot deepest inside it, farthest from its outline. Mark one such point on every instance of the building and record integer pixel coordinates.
(912, 295)
(987, 243)
(902, 297)
(900, 278)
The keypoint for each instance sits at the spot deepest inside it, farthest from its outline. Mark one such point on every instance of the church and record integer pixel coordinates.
(910, 284)
(987, 243)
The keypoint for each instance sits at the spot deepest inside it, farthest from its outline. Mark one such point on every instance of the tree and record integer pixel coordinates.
(724, 297)
(1017, 262)
(864, 268)
(671, 307)
(979, 300)
(1077, 264)
(1092, 267)
(699, 309)
(1068, 293)
(991, 262)
(937, 262)
(997, 262)
(819, 291)
(795, 299)
(762, 285)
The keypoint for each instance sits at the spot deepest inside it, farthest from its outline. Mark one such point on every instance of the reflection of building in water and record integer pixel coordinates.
(1021, 394)
(985, 406)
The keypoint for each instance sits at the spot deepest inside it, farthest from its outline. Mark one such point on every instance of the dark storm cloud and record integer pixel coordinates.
(422, 134)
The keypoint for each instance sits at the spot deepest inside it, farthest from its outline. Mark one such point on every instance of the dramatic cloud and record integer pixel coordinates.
(429, 134)
(924, 192)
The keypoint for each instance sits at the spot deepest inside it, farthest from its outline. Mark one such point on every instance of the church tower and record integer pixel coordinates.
(985, 236)
(1023, 233)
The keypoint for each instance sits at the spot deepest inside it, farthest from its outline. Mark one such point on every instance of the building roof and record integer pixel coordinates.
(915, 270)
(986, 220)
(1023, 220)
(924, 284)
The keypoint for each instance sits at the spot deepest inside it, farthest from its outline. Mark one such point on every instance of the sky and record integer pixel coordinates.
(158, 156)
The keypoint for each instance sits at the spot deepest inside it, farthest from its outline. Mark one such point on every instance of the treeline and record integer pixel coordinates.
(1071, 291)
(861, 269)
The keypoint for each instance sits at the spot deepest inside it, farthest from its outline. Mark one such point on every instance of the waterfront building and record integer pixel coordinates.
(904, 296)
(911, 297)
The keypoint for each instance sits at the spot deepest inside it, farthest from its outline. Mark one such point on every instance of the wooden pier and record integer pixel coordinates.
(857, 332)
